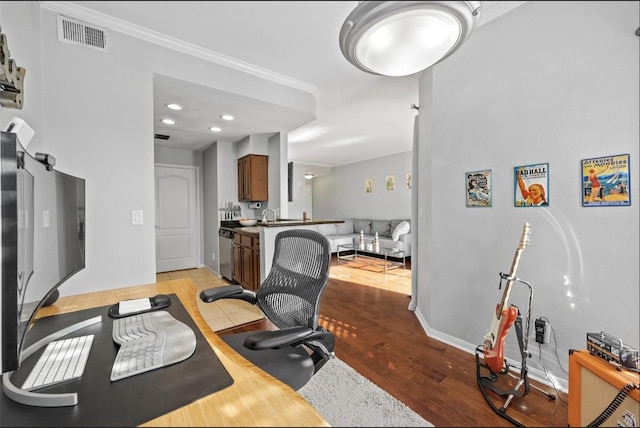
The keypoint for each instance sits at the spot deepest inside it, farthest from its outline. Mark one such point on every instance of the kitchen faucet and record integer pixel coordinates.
(264, 217)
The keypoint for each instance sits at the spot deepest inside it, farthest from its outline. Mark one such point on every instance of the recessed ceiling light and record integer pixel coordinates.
(226, 117)
(215, 129)
(168, 121)
(174, 106)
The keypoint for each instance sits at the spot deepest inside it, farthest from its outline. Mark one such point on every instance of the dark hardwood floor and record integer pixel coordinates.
(380, 338)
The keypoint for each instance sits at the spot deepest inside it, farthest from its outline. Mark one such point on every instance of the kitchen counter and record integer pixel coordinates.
(246, 230)
(267, 232)
(282, 223)
(255, 230)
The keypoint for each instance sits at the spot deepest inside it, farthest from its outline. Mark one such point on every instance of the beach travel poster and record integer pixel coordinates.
(478, 186)
(605, 181)
(531, 185)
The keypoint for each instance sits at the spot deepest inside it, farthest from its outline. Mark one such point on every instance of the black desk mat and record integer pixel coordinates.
(126, 402)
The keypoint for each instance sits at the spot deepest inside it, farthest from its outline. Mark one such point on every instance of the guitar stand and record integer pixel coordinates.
(522, 385)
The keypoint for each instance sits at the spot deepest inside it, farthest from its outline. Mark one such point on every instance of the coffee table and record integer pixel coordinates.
(366, 255)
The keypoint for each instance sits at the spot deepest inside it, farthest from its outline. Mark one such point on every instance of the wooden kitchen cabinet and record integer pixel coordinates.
(246, 261)
(253, 178)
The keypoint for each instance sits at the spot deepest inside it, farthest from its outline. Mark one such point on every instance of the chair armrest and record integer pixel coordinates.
(323, 340)
(277, 338)
(233, 291)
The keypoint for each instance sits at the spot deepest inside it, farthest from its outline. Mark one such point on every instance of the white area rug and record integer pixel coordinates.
(347, 399)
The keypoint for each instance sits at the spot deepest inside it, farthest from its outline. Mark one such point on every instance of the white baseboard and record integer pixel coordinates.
(535, 374)
(212, 271)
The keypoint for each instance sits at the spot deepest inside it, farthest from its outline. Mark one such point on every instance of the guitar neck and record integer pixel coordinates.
(512, 273)
(492, 334)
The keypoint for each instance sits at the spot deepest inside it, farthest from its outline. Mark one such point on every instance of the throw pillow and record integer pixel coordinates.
(383, 227)
(362, 224)
(400, 229)
(346, 227)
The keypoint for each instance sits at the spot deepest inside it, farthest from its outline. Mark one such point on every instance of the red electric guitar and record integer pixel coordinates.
(503, 317)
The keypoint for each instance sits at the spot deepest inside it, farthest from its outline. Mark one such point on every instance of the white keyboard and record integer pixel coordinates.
(150, 341)
(62, 360)
(138, 356)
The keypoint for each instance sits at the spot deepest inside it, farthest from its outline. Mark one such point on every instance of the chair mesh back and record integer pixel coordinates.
(290, 295)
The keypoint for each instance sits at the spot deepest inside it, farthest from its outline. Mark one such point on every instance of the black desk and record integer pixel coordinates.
(125, 402)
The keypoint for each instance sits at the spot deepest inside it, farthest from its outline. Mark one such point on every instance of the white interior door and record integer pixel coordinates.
(177, 239)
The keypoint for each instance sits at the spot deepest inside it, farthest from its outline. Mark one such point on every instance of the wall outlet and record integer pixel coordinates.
(540, 326)
(542, 330)
(137, 217)
(45, 219)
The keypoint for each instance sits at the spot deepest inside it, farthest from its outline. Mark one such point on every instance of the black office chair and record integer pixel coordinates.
(290, 298)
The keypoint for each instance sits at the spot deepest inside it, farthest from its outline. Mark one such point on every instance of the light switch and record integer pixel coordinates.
(136, 217)
(45, 219)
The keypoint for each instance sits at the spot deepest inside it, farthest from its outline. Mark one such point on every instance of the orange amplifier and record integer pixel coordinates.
(594, 384)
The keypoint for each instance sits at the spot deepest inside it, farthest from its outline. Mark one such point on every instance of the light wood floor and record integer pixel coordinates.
(222, 314)
(381, 339)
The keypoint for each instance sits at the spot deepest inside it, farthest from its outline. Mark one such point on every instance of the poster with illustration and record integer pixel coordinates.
(478, 185)
(390, 181)
(605, 181)
(368, 185)
(531, 185)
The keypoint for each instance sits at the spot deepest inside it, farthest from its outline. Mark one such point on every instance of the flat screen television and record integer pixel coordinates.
(43, 239)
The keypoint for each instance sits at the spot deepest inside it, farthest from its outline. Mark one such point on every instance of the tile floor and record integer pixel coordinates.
(222, 314)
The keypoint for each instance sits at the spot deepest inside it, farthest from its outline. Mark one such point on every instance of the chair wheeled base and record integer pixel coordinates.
(290, 298)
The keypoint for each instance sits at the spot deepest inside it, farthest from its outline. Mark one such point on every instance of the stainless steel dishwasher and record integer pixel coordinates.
(225, 253)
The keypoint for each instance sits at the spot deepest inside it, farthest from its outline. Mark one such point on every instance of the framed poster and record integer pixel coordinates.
(390, 181)
(605, 181)
(368, 185)
(478, 185)
(531, 187)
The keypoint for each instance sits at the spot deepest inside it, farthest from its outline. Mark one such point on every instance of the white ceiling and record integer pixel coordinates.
(359, 115)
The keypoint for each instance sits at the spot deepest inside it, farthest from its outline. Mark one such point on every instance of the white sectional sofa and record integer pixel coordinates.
(349, 233)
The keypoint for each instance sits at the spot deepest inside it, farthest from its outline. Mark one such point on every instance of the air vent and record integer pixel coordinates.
(80, 33)
(161, 137)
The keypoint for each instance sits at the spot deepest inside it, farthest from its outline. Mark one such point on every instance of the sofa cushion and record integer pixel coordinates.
(327, 229)
(383, 227)
(400, 229)
(388, 243)
(346, 227)
(360, 224)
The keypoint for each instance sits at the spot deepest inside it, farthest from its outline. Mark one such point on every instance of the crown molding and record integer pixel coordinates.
(74, 10)
(496, 9)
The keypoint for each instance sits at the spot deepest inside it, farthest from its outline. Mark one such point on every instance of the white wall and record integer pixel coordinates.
(94, 112)
(210, 206)
(302, 186)
(277, 170)
(552, 82)
(342, 195)
(177, 156)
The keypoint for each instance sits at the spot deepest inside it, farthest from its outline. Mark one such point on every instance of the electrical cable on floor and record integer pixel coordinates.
(555, 348)
(555, 351)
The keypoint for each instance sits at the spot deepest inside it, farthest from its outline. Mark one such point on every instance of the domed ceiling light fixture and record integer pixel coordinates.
(399, 38)
(308, 175)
